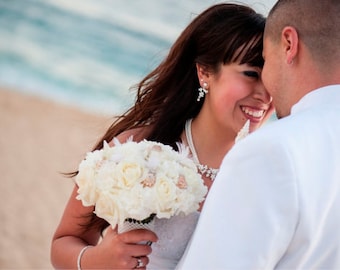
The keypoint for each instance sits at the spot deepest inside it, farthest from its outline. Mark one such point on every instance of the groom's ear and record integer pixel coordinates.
(290, 42)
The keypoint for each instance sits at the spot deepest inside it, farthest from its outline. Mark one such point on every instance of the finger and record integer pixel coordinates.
(141, 262)
(111, 231)
(138, 236)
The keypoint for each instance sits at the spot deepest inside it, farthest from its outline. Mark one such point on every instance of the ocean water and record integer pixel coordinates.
(89, 53)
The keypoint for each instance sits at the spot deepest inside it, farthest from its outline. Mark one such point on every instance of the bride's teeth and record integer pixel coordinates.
(258, 113)
(253, 113)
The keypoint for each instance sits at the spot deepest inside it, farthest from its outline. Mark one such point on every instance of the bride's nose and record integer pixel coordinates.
(260, 93)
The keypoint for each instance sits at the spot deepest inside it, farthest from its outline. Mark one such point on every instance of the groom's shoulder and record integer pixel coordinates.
(281, 133)
(276, 130)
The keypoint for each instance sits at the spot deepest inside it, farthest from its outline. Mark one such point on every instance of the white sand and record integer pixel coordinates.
(38, 140)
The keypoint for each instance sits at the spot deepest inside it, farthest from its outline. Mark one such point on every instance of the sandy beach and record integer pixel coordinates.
(39, 139)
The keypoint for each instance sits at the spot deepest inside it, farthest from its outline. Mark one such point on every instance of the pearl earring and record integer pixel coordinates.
(202, 91)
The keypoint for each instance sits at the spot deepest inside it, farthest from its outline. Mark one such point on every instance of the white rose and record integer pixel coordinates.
(166, 195)
(106, 177)
(109, 208)
(85, 181)
(135, 202)
(129, 174)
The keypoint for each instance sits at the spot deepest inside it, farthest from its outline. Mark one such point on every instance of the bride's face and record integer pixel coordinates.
(236, 93)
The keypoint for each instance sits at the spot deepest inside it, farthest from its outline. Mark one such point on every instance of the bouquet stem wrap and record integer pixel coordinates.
(133, 224)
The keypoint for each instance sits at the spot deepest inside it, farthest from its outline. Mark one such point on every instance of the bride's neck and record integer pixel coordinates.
(210, 145)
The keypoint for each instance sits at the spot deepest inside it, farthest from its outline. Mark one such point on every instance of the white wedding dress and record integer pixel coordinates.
(173, 237)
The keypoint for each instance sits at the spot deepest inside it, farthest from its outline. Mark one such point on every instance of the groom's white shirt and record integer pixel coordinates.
(276, 202)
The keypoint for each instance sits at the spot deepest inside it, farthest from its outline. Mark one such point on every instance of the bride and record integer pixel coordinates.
(202, 94)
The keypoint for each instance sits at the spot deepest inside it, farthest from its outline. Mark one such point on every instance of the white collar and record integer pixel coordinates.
(328, 95)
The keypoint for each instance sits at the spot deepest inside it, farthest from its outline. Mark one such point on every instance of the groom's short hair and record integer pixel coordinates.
(316, 21)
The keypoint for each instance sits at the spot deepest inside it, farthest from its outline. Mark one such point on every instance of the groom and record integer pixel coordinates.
(276, 201)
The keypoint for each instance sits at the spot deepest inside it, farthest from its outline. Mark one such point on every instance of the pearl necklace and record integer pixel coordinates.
(204, 169)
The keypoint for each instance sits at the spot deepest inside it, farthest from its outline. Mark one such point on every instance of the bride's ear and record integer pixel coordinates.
(202, 73)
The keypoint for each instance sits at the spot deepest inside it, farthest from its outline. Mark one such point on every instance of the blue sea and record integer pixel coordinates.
(88, 53)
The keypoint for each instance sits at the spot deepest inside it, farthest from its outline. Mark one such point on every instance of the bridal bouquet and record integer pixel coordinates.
(135, 182)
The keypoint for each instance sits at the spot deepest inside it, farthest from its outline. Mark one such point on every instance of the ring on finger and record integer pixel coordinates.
(139, 263)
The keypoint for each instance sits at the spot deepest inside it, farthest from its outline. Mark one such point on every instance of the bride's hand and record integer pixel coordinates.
(120, 251)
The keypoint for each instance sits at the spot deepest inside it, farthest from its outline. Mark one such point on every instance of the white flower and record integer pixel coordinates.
(136, 180)
(244, 131)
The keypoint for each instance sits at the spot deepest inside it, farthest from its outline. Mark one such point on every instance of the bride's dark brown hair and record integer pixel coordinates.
(167, 96)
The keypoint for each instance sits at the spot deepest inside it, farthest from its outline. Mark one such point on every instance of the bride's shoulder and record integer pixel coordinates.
(137, 135)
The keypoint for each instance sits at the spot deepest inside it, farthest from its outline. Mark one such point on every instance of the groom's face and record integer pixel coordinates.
(273, 76)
